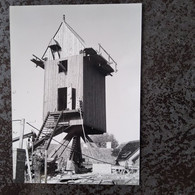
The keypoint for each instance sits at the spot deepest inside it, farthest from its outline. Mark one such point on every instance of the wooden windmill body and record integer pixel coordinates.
(74, 90)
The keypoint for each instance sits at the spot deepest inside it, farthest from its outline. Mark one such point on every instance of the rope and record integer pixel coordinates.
(78, 87)
(85, 139)
(80, 110)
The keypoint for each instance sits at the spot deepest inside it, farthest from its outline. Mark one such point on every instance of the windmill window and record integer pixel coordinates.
(63, 66)
(55, 49)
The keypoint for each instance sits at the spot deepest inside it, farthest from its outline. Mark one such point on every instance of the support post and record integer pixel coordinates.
(22, 123)
(28, 164)
(45, 166)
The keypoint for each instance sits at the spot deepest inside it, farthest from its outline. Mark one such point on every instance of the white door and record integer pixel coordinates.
(69, 98)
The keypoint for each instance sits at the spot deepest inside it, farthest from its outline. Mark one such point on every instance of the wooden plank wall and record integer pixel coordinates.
(69, 43)
(94, 102)
(54, 80)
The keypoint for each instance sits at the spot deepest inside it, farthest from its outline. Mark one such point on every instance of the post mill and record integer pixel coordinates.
(74, 92)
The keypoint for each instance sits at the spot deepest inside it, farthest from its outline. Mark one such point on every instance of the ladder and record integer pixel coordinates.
(48, 129)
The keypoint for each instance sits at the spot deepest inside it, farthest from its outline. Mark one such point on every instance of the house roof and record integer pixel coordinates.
(128, 150)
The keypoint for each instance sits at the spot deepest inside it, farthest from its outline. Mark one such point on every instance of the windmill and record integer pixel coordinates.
(74, 91)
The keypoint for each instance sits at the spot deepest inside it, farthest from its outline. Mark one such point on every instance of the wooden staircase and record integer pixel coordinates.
(49, 129)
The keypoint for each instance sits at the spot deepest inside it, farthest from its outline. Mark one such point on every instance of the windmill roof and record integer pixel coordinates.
(68, 39)
(66, 42)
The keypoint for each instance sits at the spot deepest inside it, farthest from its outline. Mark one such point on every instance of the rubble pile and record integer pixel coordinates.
(91, 178)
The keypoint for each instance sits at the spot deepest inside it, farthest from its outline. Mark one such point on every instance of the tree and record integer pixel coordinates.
(100, 140)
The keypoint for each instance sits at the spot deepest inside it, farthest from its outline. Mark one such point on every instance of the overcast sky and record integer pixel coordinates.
(116, 27)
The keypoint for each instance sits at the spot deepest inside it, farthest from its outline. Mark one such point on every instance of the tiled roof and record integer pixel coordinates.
(127, 151)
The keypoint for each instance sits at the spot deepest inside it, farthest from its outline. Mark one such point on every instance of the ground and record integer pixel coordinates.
(94, 178)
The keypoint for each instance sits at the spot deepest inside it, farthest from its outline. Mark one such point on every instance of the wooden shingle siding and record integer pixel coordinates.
(54, 80)
(94, 100)
(69, 43)
(83, 76)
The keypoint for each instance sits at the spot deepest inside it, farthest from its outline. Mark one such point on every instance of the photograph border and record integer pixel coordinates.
(166, 104)
(122, 120)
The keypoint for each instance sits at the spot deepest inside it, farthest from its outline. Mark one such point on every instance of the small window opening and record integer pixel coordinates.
(63, 66)
(55, 49)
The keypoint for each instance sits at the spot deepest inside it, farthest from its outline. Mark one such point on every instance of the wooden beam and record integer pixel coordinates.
(38, 61)
(46, 166)
(28, 164)
(22, 133)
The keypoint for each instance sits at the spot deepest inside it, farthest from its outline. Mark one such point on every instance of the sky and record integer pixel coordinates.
(116, 27)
